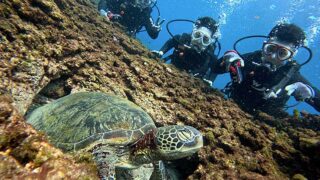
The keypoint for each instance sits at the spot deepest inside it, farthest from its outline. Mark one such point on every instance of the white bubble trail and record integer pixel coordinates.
(295, 6)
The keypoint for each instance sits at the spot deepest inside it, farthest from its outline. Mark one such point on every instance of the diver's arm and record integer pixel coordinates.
(102, 7)
(201, 71)
(152, 29)
(218, 67)
(314, 101)
(211, 74)
(171, 43)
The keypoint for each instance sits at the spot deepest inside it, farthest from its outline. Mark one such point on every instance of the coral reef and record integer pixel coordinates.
(50, 48)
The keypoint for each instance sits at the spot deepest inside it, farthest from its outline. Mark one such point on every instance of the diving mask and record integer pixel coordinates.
(281, 52)
(201, 38)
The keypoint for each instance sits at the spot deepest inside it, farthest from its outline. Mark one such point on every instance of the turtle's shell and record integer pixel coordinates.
(78, 120)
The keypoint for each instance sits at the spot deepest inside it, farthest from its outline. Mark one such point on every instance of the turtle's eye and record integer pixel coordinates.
(185, 135)
(190, 137)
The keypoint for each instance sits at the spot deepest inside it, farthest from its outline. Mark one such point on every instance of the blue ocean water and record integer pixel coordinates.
(239, 18)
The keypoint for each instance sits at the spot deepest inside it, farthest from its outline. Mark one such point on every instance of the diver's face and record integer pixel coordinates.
(278, 53)
(201, 38)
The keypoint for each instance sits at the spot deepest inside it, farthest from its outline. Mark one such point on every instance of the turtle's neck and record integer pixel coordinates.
(143, 151)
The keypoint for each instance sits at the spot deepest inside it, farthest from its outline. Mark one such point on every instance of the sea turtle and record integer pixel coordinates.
(116, 131)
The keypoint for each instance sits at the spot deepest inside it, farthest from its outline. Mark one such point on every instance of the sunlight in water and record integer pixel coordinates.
(295, 8)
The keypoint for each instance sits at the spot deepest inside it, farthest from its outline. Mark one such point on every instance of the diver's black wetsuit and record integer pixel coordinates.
(187, 58)
(249, 93)
(133, 18)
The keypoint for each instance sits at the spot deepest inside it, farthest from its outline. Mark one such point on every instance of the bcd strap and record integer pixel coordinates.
(276, 89)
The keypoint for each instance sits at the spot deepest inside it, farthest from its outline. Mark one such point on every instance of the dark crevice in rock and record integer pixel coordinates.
(127, 60)
(260, 171)
(12, 140)
(129, 95)
(42, 6)
(227, 148)
(185, 166)
(249, 141)
(307, 121)
(55, 89)
(33, 15)
(9, 36)
(85, 2)
(61, 4)
(8, 30)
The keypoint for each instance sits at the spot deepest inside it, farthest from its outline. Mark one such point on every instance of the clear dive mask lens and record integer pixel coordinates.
(205, 39)
(283, 53)
(196, 34)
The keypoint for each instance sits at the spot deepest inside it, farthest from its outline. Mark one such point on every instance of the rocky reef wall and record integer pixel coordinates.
(50, 48)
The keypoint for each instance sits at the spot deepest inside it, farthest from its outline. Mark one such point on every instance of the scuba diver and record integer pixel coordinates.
(133, 14)
(193, 52)
(265, 79)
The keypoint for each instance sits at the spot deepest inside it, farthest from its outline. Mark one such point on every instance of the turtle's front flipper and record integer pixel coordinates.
(105, 161)
(159, 172)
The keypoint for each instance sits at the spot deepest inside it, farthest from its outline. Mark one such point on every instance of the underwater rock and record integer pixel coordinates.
(50, 48)
(311, 146)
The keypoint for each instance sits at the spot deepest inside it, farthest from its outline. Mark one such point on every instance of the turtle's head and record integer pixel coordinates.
(175, 142)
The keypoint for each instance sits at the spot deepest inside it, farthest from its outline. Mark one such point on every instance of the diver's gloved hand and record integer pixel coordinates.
(112, 16)
(231, 57)
(109, 15)
(300, 91)
(157, 24)
(103, 12)
(158, 54)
